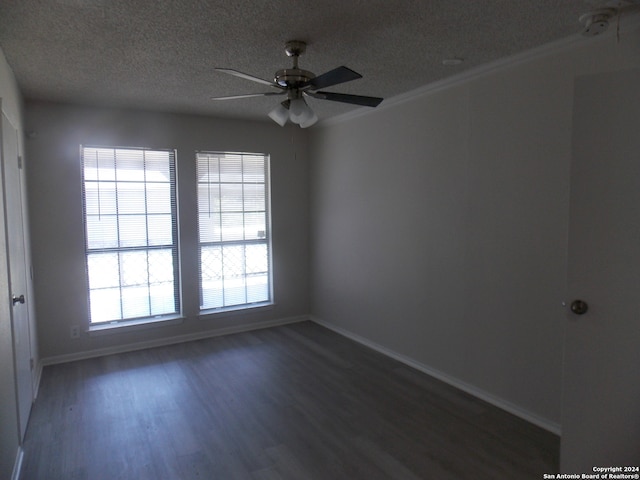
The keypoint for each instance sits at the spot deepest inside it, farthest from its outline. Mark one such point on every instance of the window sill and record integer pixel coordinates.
(236, 310)
(133, 325)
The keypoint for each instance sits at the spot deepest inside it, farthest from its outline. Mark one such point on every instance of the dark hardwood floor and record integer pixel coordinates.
(292, 402)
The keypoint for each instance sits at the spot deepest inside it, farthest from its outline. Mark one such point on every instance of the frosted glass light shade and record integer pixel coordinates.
(280, 115)
(310, 121)
(296, 110)
(299, 111)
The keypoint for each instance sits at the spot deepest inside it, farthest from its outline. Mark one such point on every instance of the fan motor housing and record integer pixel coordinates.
(292, 77)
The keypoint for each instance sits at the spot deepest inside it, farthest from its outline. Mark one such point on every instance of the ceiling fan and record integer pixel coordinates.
(297, 84)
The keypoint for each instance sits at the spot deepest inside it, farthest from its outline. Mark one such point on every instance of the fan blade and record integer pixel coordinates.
(346, 98)
(246, 76)
(333, 77)
(249, 95)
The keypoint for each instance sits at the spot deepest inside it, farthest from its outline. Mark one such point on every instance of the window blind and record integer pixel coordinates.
(131, 233)
(234, 229)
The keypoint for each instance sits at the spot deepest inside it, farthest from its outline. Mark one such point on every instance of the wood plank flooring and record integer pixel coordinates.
(292, 402)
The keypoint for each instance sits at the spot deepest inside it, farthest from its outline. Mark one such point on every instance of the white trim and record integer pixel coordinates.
(37, 375)
(462, 77)
(459, 384)
(124, 326)
(17, 466)
(214, 314)
(100, 352)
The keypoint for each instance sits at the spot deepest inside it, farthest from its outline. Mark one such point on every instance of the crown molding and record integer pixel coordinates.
(551, 48)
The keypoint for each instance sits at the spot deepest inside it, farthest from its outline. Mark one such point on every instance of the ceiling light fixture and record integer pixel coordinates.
(297, 84)
(295, 110)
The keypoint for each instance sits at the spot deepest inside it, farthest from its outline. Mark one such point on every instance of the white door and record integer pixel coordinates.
(601, 389)
(17, 272)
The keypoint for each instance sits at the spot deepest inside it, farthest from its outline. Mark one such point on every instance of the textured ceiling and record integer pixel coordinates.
(161, 54)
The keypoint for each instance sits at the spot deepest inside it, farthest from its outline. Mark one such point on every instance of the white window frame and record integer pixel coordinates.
(225, 290)
(159, 308)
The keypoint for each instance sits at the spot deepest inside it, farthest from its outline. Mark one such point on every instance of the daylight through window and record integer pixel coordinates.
(234, 230)
(131, 233)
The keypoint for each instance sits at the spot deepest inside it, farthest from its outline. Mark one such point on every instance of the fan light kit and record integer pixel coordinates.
(297, 84)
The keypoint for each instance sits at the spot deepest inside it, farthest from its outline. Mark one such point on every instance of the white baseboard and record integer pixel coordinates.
(465, 387)
(101, 352)
(17, 466)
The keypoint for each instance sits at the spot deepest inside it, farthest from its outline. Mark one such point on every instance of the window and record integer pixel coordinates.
(130, 233)
(234, 230)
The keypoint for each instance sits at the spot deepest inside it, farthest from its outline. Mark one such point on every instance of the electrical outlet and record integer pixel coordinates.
(75, 331)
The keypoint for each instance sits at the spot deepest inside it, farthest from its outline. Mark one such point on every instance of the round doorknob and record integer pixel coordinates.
(17, 299)
(579, 307)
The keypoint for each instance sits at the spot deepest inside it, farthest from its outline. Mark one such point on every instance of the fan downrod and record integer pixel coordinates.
(293, 77)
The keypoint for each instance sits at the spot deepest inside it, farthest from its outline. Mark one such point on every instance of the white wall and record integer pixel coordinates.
(439, 225)
(55, 197)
